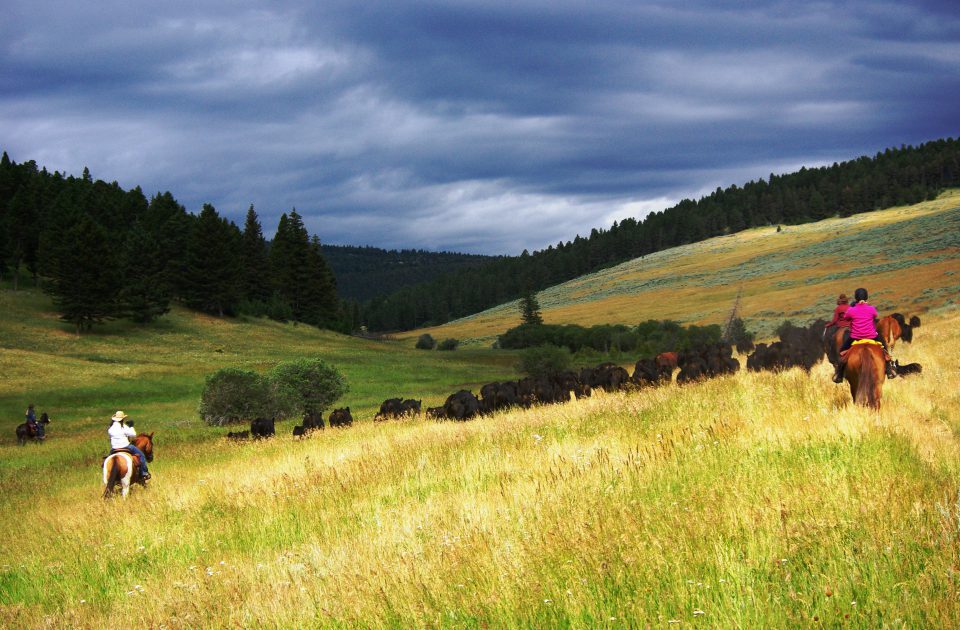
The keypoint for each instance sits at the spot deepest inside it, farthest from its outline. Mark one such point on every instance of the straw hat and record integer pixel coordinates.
(119, 416)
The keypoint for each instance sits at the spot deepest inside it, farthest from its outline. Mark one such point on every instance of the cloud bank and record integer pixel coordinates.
(479, 126)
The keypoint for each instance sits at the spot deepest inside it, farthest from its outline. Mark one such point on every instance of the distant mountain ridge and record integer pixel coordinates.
(364, 273)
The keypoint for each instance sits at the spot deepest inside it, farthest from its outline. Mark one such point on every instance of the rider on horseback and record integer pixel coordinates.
(863, 325)
(840, 317)
(35, 430)
(120, 440)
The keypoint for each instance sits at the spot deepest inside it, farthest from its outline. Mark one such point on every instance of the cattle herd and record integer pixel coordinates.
(797, 347)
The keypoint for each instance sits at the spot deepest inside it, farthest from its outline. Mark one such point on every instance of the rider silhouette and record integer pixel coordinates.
(120, 439)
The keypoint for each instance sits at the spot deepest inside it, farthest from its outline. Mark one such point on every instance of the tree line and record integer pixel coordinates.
(107, 253)
(893, 177)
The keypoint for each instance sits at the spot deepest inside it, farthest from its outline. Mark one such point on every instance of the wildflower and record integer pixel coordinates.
(83, 601)
(697, 612)
(547, 601)
(537, 437)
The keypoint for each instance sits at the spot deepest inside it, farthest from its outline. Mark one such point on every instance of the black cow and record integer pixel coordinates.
(312, 420)
(340, 417)
(238, 435)
(495, 396)
(462, 405)
(798, 347)
(436, 412)
(410, 406)
(262, 428)
(647, 372)
(390, 408)
(299, 431)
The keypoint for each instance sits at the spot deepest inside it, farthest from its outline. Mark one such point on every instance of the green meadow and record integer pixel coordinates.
(753, 500)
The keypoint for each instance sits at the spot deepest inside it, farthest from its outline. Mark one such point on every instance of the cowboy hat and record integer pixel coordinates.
(119, 416)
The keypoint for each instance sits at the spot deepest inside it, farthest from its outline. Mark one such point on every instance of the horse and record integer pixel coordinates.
(832, 340)
(119, 467)
(24, 433)
(890, 331)
(865, 373)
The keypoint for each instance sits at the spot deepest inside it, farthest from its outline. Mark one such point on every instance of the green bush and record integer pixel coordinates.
(426, 342)
(448, 344)
(545, 360)
(234, 395)
(311, 384)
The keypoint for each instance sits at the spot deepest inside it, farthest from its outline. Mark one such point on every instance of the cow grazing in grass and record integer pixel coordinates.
(390, 408)
(495, 396)
(299, 431)
(262, 428)
(340, 417)
(648, 372)
(798, 347)
(462, 405)
(667, 362)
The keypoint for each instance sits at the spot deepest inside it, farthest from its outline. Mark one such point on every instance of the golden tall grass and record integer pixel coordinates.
(756, 500)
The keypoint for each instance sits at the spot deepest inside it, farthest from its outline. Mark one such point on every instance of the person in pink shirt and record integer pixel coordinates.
(863, 325)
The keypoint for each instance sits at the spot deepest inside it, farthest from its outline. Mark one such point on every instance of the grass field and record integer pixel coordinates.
(908, 257)
(754, 500)
(759, 500)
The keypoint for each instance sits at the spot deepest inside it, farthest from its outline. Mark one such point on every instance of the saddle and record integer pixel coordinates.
(133, 456)
(858, 342)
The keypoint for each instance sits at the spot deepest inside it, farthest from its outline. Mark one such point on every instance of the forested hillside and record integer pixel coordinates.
(364, 273)
(894, 177)
(106, 253)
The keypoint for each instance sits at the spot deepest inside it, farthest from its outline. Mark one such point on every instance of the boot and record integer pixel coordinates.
(891, 371)
(838, 375)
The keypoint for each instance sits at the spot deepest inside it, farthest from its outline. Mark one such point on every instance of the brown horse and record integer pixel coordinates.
(890, 331)
(124, 468)
(865, 373)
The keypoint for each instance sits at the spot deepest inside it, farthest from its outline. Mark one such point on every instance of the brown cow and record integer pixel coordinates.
(666, 362)
(889, 329)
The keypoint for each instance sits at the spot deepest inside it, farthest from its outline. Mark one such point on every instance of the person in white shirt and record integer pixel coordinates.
(120, 435)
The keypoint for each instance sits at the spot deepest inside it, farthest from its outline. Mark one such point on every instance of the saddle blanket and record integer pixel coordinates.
(858, 342)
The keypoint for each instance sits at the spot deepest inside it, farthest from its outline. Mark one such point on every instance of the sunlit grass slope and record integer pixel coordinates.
(908, 257)
(757, 500)
(156, 373)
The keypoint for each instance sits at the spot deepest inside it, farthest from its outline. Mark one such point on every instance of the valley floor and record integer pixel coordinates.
(756, 500)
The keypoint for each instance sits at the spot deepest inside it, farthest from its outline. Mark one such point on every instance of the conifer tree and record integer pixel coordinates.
(145, 294)
(530, 309)
(254, 263)
(211, 279)
(81, 274)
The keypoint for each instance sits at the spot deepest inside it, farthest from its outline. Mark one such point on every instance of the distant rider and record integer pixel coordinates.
(863, 325)
(32, 425)
(840, 317)
(120, 435)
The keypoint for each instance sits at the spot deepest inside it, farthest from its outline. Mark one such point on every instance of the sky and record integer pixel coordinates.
(477, 126)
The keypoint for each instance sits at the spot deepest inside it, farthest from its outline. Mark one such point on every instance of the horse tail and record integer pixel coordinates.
(871, 378)
(111, 475)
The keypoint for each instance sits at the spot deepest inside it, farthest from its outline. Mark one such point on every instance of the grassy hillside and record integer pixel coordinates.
(908, 257)
(758, 500)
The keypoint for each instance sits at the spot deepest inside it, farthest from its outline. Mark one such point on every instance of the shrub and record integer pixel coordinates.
(448, 344)
(426, 342)
(544, 360)
(234, 395)
(310, 384)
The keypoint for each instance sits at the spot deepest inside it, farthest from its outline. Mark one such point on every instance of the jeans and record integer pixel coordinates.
(143, 459)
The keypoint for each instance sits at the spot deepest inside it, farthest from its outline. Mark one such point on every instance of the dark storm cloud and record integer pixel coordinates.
(477, 126)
